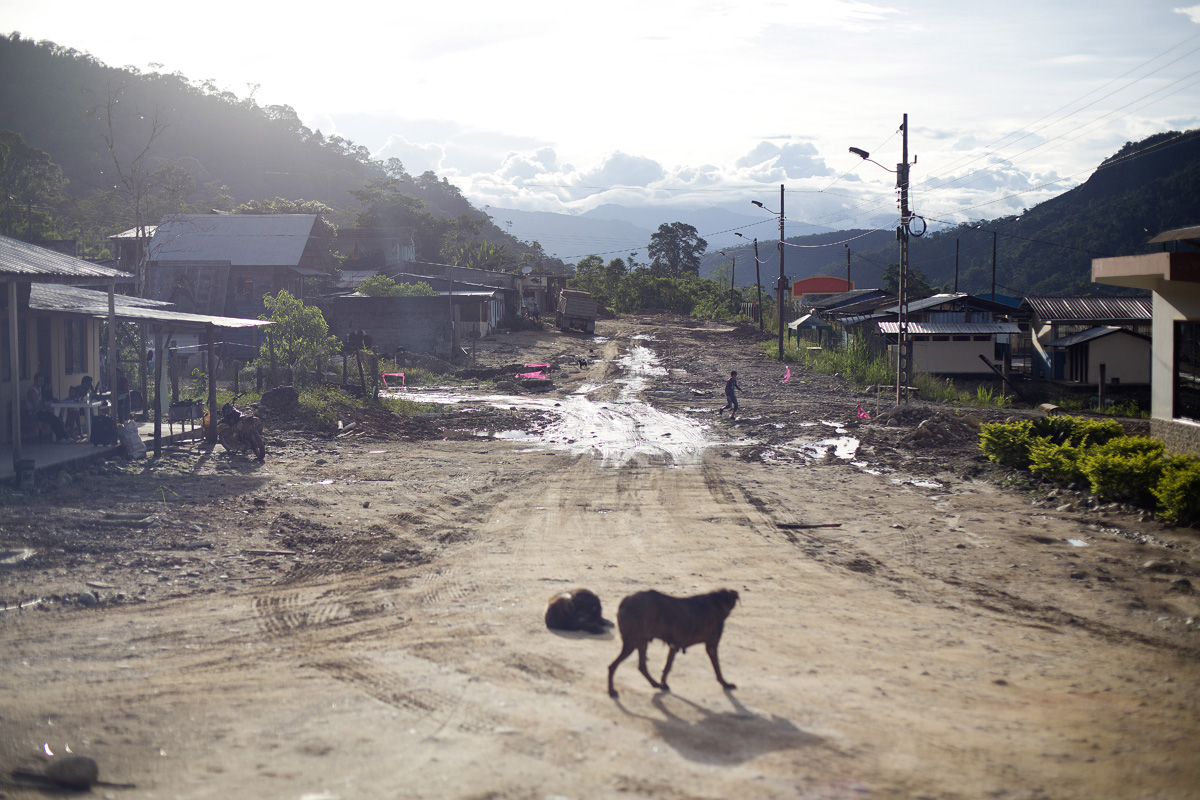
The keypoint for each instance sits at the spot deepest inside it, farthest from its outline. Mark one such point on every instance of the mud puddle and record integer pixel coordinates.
(613, 432)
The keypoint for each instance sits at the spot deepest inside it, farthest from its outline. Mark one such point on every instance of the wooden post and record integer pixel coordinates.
(14, 361)
(158, 359)
(211, 434)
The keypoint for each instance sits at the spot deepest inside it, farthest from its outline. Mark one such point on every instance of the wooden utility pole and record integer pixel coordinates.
(782, 279)
(903, 353)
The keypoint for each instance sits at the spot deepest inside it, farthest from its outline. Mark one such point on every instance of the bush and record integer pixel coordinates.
(1093, 431)
(1055, 462)
(1125, 468)
(1007, 443)
(1178, 490)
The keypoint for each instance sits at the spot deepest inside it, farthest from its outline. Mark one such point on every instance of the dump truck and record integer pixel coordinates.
(576, 309)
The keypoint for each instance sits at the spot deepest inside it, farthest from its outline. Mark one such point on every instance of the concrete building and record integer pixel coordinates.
(1173, 278)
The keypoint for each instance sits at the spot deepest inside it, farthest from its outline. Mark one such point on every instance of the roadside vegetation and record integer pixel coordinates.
(1071, 451)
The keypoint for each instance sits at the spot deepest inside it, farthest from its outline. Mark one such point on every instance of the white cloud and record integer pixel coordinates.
(417, 158)
(1191, 12)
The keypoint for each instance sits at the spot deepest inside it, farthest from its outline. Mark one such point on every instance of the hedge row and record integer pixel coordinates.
(1133, 469)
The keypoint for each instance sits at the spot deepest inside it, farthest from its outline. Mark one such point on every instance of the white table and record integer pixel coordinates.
(90, 406)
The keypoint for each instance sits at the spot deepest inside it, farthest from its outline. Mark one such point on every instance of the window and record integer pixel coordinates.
(941, 338)
(962, 338)
(76, 355)
(1187, 371)
(981, 338)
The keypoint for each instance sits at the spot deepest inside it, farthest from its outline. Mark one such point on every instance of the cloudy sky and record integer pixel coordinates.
(540, 105)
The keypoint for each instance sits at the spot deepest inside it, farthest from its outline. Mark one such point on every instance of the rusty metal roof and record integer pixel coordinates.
(249, 240)
(28, 262)
(1089, 309)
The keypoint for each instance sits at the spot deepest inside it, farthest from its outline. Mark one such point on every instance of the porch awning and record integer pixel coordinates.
(952, 328)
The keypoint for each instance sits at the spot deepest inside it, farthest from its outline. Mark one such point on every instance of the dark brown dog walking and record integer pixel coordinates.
(679, 621)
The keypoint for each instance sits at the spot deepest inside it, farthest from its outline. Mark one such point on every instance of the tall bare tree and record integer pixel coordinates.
(135, 177)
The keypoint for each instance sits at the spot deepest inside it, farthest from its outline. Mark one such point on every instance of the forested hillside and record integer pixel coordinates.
(131, 146)
(1146, 188)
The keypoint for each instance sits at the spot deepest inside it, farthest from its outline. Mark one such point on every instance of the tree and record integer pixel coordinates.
(918, 285)
(383, 286)
(300, 336)
(30, 183)
(675, 250)
(132, 166)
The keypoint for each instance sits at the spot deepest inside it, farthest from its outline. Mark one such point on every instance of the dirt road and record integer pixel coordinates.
(361, 616)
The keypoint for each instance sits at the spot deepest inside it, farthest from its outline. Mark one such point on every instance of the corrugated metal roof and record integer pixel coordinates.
(952, 328)
(1177, 235)
(251, 240)
(30, 262)
(1063, 309)
(132, 233)
(929, 302)
(57, 297)
(72, 300)
(1091, 334)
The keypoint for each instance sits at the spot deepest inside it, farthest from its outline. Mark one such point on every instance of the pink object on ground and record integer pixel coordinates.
(862, 414)
(533, 375)
(383, 376)
(787, 374)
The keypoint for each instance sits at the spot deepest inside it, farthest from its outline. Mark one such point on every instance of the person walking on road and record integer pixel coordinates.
(731, 387)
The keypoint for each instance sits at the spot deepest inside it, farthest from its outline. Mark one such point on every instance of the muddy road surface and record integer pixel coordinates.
(361, 615)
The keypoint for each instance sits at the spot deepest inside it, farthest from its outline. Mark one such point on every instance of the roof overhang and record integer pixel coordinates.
(1147, 271)
(177, 319)
(951, 328)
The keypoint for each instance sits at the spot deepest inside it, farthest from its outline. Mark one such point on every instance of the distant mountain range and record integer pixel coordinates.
(614, 231)
(1145, 188)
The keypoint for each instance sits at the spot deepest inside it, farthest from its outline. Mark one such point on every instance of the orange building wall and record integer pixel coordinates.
(820, 284)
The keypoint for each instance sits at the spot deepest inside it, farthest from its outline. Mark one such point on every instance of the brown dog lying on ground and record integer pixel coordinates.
(679, 621)
(576, 610)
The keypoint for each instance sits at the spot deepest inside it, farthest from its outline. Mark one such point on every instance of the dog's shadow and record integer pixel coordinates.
(722, 737)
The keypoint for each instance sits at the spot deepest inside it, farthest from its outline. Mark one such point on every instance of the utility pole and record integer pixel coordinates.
(956, 266)
(732, 274)
(993, 266)
(758, 283)
(848, 286)
(782, 279)
(903, 352)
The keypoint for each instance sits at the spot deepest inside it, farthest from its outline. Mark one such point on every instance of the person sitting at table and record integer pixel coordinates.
(82, 394)
(37, 402)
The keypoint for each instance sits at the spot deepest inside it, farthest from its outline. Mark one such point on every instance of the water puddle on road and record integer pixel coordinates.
(614, 431)
(623, 429)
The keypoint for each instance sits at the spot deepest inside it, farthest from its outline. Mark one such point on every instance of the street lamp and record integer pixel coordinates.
(757, 282)
(903, 351)
(782, 280)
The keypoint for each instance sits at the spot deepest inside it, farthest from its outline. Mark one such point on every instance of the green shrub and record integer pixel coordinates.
(1125, 468)
(1094, 431)
(1056, 430)
(1178, 490)
(1007, 443)
(1055, 462)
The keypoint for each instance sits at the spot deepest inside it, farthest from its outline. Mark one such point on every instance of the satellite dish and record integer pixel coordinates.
(526, 270)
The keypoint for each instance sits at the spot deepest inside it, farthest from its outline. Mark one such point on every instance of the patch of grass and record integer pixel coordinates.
(404, 406)
(855, 362)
